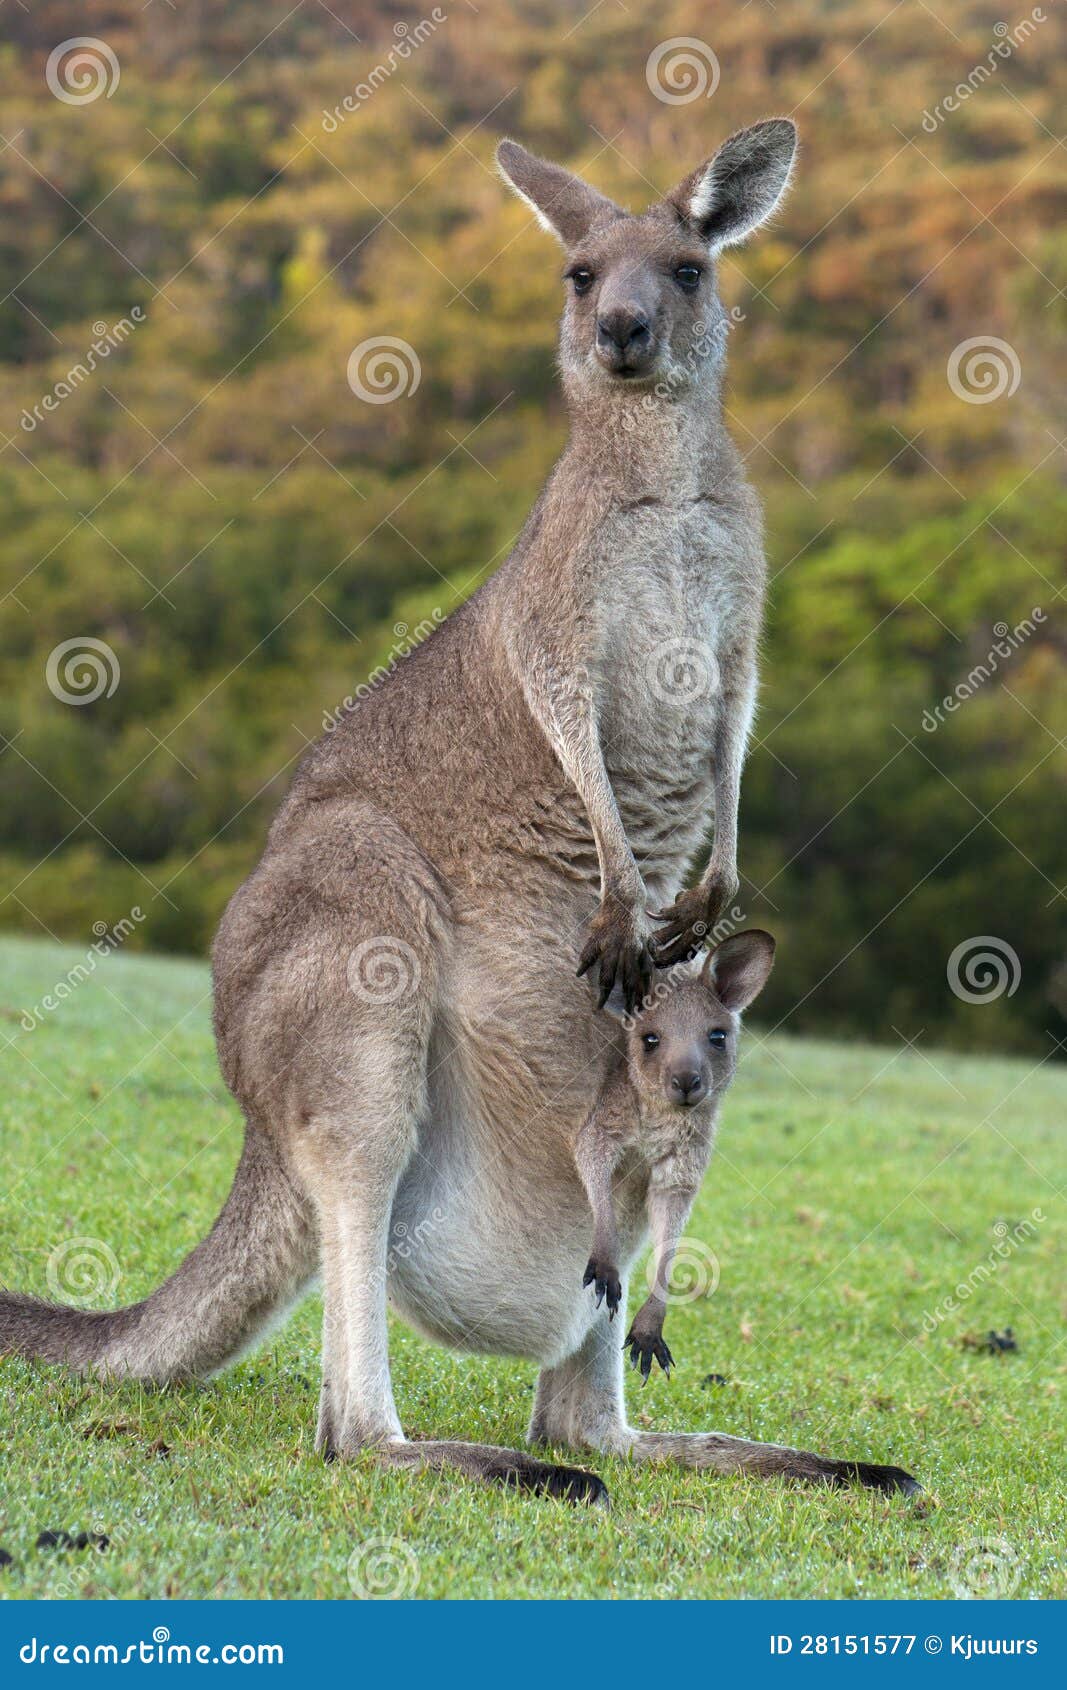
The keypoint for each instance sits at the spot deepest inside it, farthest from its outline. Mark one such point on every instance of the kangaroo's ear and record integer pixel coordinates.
(562, 203)
(737, 969)
(736, 191)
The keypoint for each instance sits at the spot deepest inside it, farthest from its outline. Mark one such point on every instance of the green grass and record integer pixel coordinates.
(854, 1189)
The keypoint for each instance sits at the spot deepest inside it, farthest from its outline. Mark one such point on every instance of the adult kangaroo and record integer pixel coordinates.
(396, 1001)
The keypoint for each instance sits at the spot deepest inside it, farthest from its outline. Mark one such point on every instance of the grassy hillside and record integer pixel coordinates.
(856, 1189)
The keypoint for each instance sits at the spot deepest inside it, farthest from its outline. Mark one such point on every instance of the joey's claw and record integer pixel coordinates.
(644, 1350)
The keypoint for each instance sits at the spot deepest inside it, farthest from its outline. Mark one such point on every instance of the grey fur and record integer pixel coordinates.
(525, 778)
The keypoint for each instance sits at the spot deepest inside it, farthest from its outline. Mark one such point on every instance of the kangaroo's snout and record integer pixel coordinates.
(624, 340)
(687, 1087)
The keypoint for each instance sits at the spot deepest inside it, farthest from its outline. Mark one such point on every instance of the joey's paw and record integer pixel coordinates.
(645, 1347)
(688, 922)
(607, 1282)
(619, 949)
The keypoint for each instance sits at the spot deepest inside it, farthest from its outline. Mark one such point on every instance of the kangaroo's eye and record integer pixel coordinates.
(650, 1040)
(582, 278)
(688, 277)
(717, 1038)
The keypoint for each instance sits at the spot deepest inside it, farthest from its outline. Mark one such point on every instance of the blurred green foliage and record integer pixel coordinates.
(216, 504)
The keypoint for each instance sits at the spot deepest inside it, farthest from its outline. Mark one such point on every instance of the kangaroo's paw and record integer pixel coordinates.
(690, 919)
(511, 1468)
(618, 948)
(889, 1480)
(608, 1285)
(646, 1347)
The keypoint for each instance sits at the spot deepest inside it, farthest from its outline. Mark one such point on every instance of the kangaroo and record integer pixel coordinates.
(396, 1004)
(655, 1119)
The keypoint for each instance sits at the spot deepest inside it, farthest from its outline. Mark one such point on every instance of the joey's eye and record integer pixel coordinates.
(650, 1040)
(717, 1038)
(582, 278)
(688, 277)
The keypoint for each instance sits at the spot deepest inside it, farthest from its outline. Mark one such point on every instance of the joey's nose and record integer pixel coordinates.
(687, 1086)
(623, 336)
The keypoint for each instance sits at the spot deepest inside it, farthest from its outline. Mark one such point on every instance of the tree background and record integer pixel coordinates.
(249, 539)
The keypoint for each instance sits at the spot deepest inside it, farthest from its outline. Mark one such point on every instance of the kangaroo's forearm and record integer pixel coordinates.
(730, 748)
(571, 726)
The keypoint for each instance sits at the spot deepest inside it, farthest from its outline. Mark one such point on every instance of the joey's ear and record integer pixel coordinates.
(562, 203)
(734, 192)
(737, 969)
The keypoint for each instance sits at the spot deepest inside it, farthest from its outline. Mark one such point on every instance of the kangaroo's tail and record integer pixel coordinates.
(253, 1263)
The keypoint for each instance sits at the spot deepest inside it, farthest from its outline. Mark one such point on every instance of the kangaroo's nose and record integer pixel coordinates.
(622, 329)
(687, 1086)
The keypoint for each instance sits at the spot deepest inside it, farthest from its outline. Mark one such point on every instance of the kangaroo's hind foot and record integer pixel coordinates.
(580, 1404)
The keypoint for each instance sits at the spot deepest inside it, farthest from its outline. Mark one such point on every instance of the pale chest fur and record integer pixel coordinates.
(674, 598)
